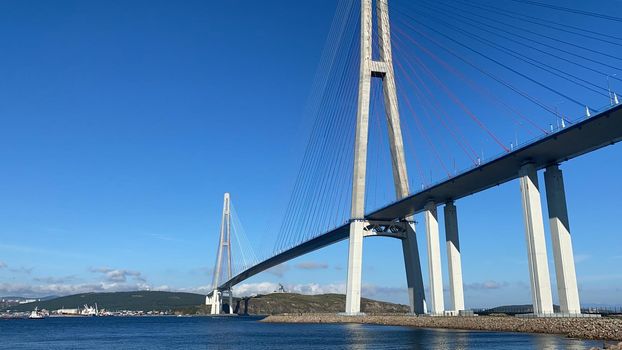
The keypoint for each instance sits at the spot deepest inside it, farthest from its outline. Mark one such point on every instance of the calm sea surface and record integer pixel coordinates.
(248, 333)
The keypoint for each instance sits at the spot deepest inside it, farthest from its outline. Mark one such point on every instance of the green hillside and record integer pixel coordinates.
(189, 303)
(291, 303)
(279, 303)
(140, 300)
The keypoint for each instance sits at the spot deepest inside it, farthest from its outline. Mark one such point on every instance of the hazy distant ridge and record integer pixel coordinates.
(134, 301)
(190, 303)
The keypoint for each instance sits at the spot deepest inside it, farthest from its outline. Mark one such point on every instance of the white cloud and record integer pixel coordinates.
(601, 277)
(118, 275)
(248, 289)
(310, 265)
(3, 265)
(390, 293)
(55, 280)
(162, 288)
(22, 269)
(114, 280)
(278, 270)
(41, 251)
(579, 258)
(486, 285)
(395, 294)
(27, 290)
(203, 271)
(198, 290)
(162, 237)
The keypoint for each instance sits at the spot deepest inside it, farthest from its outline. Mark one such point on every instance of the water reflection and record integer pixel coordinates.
(547, 342)
(248, 333)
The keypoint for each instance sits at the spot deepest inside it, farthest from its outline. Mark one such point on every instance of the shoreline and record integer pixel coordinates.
(602, 328)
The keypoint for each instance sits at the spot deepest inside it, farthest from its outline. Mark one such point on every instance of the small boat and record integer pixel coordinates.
(36, 315)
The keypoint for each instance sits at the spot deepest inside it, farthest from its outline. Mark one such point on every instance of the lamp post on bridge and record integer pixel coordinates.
(613, 98)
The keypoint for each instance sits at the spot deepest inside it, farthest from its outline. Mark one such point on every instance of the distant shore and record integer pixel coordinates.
(583, 328)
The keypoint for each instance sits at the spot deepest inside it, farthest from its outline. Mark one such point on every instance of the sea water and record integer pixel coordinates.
(250, 333)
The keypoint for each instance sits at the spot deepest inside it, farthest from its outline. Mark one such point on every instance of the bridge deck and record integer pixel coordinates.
(582, 137)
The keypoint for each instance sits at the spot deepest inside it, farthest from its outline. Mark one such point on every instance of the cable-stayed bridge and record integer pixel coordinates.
(461, 73)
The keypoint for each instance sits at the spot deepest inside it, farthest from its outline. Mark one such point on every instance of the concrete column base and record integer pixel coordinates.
(442, 314)
(561, 241)
(467, 313)
(355, 266)
(536, 245)
(456, 291)
(412, 265)
(437, 305)
(352, 314)
(215, 302)
(558, 315)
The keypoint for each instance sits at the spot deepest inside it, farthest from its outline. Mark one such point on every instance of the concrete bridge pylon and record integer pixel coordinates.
(383, 69)
(224, 247)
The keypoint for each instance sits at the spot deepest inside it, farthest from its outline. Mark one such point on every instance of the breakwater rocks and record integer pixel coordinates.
(583, 328)
(611, 347)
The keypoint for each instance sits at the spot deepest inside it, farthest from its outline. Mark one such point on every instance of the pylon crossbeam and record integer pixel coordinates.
(395, 229)
(378, 68)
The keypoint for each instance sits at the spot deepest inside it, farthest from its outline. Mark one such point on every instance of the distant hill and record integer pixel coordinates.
(26, 298)
(189, 303)
(140, 300)
(281, 303)
(278, 303)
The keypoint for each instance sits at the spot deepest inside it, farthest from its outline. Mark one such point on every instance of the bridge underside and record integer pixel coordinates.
(582, 137)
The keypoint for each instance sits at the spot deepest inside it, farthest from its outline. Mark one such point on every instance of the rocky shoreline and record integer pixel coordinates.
(583, 328)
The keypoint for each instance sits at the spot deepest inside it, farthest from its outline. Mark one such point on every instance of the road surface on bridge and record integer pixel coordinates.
(582, 137)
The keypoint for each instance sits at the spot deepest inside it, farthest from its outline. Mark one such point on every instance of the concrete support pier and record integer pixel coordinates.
(215, 302)
(562, 241)
(414, 278)
(355, 264)
(456, 291)
(382, 68)
(437, 306)
(536, 245)
(355, 251)
(230, 302)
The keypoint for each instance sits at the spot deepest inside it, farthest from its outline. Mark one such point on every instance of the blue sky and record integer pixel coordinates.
(123, 123)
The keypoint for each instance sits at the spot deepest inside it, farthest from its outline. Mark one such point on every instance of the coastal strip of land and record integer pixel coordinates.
(601, 328)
